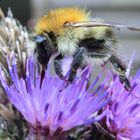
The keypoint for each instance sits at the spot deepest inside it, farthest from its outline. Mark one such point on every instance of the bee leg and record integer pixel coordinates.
(57, 66)
(120, 70)
(76, 63)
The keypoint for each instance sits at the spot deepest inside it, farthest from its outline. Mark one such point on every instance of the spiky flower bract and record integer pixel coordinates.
(123, 112)
(50, 105)
(14, 38)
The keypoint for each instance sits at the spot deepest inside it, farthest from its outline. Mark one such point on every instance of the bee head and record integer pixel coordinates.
(44, 49)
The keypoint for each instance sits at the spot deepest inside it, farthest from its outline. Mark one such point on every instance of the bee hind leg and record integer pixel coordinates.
(120, 70)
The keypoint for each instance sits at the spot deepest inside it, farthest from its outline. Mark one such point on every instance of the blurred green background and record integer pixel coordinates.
(120, 11)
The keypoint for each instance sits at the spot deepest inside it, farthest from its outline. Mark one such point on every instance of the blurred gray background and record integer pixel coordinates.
(120, 11)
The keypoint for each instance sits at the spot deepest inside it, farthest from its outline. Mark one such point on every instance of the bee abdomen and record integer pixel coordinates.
(94, 47)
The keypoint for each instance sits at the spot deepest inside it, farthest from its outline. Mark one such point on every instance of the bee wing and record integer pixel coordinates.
(98, 24)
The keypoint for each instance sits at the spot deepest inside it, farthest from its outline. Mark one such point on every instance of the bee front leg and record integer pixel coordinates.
(76, 63)
(57, 66)
(120, 70)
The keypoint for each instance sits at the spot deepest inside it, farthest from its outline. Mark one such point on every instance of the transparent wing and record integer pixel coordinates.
(98, 24)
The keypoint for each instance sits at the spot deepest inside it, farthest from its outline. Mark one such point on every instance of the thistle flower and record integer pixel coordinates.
(123, 112)
(50, 106)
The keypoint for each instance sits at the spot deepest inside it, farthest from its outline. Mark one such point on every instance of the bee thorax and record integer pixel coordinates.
(67, 46)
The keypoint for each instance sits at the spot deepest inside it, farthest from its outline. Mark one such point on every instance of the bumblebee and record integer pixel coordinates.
(71, 31)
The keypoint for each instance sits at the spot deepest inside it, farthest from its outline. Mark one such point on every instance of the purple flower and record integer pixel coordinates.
(123, 112)
(51, 105)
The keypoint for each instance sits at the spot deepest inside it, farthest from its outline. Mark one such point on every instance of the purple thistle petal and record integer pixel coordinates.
(49, 107)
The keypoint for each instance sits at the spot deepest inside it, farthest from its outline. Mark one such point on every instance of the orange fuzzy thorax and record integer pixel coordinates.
(55, 19)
